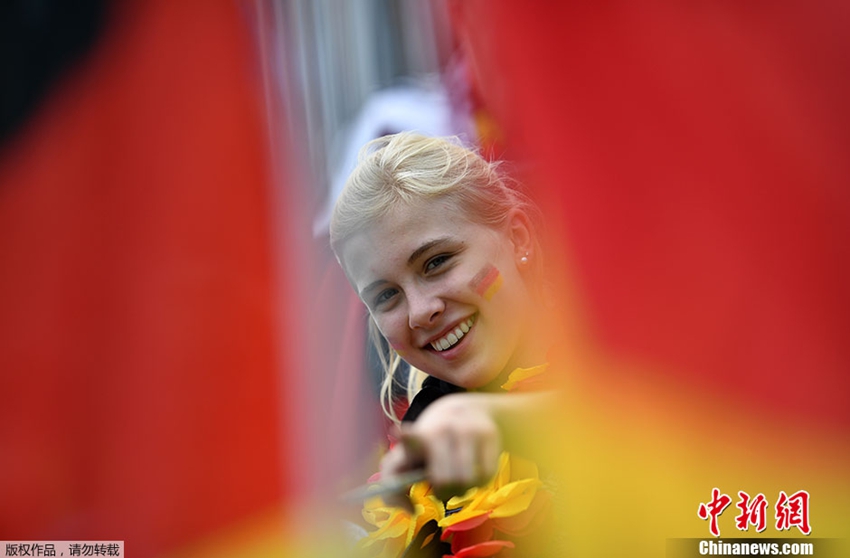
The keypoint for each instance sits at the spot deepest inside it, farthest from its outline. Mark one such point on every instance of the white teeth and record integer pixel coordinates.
(453, 337)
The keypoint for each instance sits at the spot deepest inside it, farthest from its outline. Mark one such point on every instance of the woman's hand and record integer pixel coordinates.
(456, 440)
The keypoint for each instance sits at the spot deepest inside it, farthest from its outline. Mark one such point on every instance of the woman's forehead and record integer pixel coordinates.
(430, 217)
(392, 241)
(417, 214)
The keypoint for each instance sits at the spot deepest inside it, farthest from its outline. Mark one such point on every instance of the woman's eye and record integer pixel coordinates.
(436, 262)
(385, 296)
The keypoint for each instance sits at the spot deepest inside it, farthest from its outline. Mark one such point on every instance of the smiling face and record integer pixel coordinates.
(449, 295)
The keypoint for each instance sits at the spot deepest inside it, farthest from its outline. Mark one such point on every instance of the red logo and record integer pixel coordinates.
(791, 511)
(713, 509)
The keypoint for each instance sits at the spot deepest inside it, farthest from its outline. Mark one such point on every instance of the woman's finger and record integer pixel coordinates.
(466, 460)
(490, 448)
(441, 454)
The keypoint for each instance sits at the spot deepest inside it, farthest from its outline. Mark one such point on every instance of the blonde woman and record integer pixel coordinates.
(443, 251)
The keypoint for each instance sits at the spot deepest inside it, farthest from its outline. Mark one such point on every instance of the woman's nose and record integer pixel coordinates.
(424, 309)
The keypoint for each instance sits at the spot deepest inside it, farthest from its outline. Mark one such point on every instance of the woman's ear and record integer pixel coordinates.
(519, 232)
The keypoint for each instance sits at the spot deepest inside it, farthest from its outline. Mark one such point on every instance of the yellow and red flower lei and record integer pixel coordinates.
(510, 510)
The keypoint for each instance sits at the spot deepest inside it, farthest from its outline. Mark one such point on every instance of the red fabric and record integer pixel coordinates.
(136, 338)
(693, 159)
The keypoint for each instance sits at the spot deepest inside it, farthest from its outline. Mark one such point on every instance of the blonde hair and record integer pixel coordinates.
(407, 167)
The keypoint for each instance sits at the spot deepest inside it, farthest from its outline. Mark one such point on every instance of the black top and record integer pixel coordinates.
(432, 389)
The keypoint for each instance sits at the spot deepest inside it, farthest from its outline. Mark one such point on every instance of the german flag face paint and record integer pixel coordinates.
(487, 282)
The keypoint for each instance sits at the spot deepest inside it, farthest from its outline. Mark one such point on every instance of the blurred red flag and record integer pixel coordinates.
(137, 338)
(694, 160)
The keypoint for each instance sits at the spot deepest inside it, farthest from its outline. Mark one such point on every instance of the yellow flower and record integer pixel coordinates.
(397, 527)
(511, 505)
(509, 493)
(526, 379)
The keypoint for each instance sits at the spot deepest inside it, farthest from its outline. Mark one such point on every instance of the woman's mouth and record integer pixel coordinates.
(453, 337)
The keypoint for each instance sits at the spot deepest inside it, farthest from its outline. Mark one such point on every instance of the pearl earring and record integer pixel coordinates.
(524, 260)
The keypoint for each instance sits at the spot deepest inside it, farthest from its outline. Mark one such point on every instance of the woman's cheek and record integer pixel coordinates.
(397, 346)
(390, 331)
(486, 282)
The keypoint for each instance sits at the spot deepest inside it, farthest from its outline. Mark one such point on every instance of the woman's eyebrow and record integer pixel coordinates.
(425, 247)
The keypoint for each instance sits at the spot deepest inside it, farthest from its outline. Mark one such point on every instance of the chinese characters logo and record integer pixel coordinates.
(791, 511)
